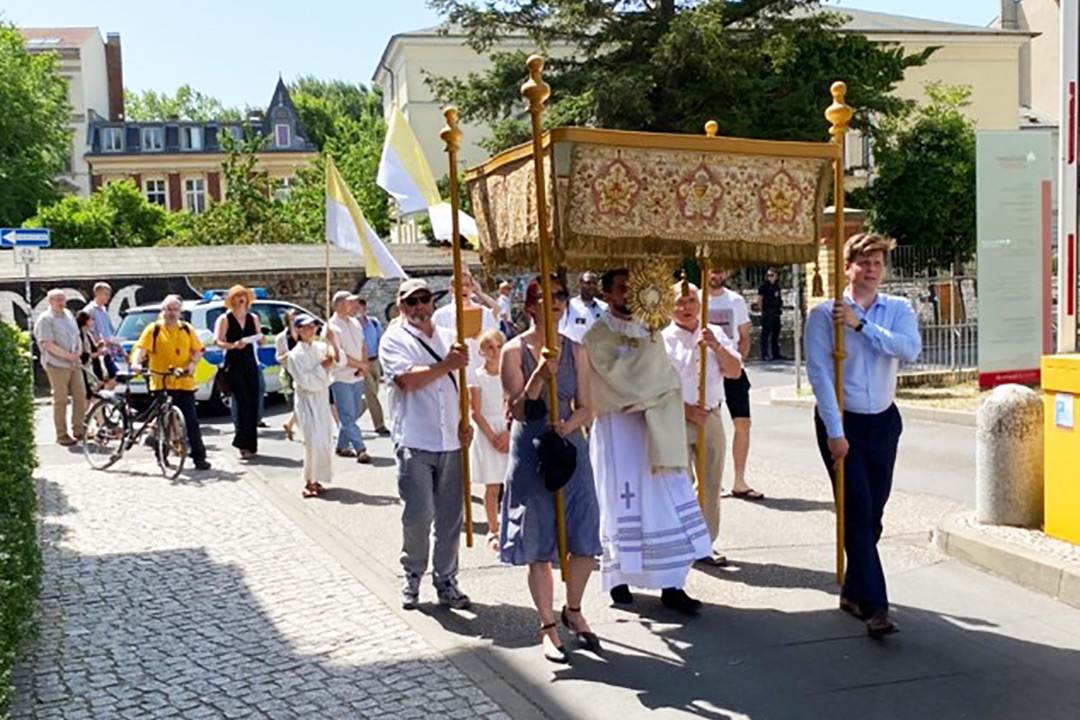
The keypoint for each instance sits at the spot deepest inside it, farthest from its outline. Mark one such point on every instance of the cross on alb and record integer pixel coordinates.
(627, 495)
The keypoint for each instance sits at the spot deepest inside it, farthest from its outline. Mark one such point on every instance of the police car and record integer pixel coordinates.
(203, 314)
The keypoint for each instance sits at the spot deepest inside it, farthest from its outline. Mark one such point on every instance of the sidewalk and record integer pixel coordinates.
(197, 599)
(785, 396)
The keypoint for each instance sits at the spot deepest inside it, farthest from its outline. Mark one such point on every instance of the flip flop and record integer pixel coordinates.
(750, 494)
(309, 491)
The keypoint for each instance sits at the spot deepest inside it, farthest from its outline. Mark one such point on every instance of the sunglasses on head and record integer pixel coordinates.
(418, 299)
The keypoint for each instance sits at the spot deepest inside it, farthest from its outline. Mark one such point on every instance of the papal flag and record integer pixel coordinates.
(403, 170)
(347, 228)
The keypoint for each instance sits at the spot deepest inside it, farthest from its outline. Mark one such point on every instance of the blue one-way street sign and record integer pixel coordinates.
(24, 237)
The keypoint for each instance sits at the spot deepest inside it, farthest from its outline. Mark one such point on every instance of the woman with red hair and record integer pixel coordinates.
(239, 333)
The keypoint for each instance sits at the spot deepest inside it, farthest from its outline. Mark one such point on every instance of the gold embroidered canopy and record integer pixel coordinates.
(617, 197)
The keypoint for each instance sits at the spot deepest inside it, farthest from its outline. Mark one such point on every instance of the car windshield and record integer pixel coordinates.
(135, 321)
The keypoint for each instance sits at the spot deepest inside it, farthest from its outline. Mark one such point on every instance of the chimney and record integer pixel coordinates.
(1010, 15)
(114, 69)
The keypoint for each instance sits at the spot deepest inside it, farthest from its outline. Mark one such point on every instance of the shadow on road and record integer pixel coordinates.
(345, 496)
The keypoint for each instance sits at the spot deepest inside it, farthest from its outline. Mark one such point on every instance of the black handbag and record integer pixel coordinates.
(557, 459)
(223, 385)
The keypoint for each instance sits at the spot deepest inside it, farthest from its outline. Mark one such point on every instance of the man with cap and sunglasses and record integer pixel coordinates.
(422, 365)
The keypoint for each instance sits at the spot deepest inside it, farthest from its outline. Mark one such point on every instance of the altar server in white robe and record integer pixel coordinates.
(309, 363)
(651, 527)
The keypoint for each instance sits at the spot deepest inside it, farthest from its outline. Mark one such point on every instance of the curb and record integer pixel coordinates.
(785, 397)
(1060, 579)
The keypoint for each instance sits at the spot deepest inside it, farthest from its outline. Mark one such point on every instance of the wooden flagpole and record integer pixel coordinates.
(451, 135)
(536, 91)
(839, 115)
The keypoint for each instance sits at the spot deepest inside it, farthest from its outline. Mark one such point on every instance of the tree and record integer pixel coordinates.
(923, 193)
(345, 121)
(34, 137)
(115, 216)
(247, 215)
(186, 104)
(761, 68)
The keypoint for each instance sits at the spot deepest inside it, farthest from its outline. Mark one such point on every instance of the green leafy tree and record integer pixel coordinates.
(34, 135)
(761, 68)
(346, 122)
(923, 193)
(116, 216)
(185, 104)
(247, 215)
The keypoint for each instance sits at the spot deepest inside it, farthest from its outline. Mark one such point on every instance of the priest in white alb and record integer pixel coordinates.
(651, 527)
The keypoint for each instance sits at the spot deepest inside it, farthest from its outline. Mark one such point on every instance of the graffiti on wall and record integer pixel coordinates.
(127, 293)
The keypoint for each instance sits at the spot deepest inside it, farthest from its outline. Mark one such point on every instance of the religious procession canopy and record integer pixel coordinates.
(618, 196)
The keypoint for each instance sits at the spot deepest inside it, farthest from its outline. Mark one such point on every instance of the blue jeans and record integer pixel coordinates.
(349, 401)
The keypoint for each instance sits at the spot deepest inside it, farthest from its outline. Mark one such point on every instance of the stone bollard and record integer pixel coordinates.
(1009, 458)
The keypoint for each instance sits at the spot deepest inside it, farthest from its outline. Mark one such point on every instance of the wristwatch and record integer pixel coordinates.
(860, 326)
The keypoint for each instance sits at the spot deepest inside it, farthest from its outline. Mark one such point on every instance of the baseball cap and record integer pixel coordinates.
(341, 296)
(411, 286)
(305, 320)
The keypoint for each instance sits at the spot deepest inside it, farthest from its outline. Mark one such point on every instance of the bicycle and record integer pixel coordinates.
(112, 427)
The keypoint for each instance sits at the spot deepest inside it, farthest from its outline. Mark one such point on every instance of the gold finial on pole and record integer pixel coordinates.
(711, 128)
(451, 135)
(839, 115)
(536, 91)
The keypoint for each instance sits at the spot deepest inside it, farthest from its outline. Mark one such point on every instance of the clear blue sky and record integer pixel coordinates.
(234, 50)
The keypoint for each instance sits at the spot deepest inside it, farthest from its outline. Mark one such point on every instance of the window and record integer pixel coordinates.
(153, 139)
(282, 188)
(281, 135)
(195, 195)
(270, 317)
(112, 139)
(191, 138)
(155, 192)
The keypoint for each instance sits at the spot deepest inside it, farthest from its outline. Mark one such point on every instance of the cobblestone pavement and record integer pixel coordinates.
(198, 601)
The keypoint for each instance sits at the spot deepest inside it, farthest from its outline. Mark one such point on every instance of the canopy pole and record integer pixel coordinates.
(451, 135)
(839, 115)
(536, 91)
(711, 128)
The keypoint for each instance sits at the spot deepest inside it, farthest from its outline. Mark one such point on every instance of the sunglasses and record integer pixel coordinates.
(561, 296)
(419, 299)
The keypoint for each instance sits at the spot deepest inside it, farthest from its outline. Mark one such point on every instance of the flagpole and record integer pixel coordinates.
(451, 135)
(326, 234)
(838, 114)
(703, 355)
(537, 92)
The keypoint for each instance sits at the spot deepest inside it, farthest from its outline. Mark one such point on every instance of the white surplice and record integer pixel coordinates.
(651, 527)
(311, 383)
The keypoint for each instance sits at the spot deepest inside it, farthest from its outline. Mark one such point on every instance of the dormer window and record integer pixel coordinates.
(191, 138)
(153, 139)
(112, 139)
(282, 135)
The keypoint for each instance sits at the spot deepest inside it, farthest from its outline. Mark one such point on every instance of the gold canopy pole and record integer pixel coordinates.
(451, 135)
(711, 128)
(838, 114)
(536, 91)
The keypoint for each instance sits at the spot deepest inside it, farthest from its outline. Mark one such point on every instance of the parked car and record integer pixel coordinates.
(203, 314)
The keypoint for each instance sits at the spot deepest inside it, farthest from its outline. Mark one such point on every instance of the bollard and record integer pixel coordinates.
(1009, 458)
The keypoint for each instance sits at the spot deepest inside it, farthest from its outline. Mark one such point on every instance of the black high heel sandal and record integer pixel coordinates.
(589, 641)
(555, 655)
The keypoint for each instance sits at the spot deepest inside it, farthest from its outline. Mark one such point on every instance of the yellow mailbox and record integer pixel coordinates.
(1061, 392)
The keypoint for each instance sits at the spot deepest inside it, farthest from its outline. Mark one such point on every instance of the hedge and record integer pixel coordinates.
(20, 558)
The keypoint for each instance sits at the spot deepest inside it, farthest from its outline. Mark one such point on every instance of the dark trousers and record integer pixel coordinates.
(245, 395)
(770, 337)
(185, 401)
(868, 471)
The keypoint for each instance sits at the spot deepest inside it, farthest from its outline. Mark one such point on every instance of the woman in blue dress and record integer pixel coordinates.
(528, 534)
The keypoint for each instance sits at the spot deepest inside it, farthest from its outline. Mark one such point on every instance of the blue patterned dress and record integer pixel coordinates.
(527, 533)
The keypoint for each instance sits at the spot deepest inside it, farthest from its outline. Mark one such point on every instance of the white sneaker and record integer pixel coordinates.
(410, 592)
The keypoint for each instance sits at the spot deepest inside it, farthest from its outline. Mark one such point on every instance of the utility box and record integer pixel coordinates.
(1061, 395)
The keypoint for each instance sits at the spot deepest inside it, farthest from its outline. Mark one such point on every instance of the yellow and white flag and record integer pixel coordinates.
(441, 218)
(403, 170)
(347, 228)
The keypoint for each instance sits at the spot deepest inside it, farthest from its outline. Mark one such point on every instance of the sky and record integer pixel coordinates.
(234, 50)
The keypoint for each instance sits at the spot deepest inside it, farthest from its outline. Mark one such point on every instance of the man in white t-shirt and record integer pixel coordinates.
(446, 317)
(583, 310)
(727, 309)
(347, 375)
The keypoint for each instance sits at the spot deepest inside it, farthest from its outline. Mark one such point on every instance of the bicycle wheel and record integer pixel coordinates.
(106, 429)
(172, 442)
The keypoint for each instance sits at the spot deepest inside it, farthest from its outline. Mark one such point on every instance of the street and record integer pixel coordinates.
(239, 598)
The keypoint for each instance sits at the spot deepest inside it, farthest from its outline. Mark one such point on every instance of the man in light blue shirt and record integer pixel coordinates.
(98, 308)
(880, 331)
(373, 332)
